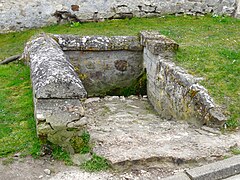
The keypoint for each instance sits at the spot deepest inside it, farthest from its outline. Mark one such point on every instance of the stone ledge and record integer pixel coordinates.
(52, 74)
(98, 43)
(179, 176)
(217, 170)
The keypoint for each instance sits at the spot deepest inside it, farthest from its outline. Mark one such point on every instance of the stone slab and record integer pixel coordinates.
(52, 74)
(98, 43)
(128, 132)
(236, 177)
(217, 170)
(59, 120)
(179, 176)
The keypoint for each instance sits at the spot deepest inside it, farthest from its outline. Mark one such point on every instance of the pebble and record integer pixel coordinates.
(47, 171)
(40, 177)
(17, 155)
(91, 100)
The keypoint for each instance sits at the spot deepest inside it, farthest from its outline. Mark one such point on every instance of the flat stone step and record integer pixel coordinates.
(128, 132)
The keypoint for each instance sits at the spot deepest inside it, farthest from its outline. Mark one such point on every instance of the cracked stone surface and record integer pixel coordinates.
(127, 132)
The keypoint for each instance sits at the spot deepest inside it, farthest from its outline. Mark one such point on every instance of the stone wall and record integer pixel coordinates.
(22, 14)
(173, 92)
(104, 64)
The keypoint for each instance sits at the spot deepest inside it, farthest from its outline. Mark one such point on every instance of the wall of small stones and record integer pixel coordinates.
(22, 14)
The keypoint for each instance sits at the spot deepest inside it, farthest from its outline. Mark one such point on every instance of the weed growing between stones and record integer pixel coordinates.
(81, 143)
(96, 163)
(75, 24)
(235, 151)
(59, 154)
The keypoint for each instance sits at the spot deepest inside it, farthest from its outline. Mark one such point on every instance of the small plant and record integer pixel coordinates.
(97, 163)
(59, 154)
(235, 151)
(232, 123)
(81, 144)
(86, 147)
(75, 24)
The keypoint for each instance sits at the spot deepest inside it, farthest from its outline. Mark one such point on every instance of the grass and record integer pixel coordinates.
(96, 163)
(209, 48)
(17, 125)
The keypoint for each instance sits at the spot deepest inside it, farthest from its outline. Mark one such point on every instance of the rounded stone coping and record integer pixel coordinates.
(52, 74)
(98, 43)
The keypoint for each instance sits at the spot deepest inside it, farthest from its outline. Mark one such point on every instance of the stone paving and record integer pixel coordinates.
(128, 130)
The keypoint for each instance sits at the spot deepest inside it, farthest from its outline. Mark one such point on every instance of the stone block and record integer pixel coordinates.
(179, 176)
(52, 74)
(217, 170)
(162, 46)
(59, 120)
(98, 43)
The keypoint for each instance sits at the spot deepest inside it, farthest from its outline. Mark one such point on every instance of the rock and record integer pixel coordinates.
(17, 155)
(91, 100)
(40, 177)
(47, 171)
(79, 159)
(111, 98)
(133, 97)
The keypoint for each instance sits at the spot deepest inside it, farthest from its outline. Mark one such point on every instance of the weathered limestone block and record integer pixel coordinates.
(52, 74)
(98, 43)
(59, 121)
(237, 14)
(173, 92)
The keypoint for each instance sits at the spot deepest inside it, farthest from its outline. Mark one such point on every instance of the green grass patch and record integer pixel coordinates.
(209, 47)
(96, 163)
(81, 143)
(17, 125)
(59, 154)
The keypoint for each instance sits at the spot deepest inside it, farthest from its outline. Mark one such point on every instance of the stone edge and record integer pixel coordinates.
(214, 171)
(97, 43)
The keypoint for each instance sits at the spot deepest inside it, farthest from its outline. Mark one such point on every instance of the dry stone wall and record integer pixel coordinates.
(22, 14)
